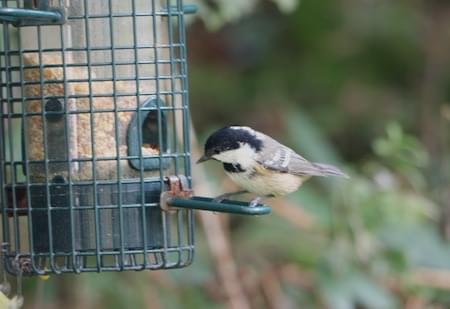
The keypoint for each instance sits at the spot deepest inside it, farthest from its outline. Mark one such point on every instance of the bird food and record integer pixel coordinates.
(94, 132)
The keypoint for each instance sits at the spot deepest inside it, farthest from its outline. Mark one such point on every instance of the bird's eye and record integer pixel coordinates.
(216, 151)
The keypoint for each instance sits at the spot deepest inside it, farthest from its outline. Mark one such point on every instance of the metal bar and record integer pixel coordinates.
(93, 149)
(186, 119)
(158, 93)
(172, 156)
(95, 64)
(4, 199)
(139, 130)
(22, 17)
(102, 95)
(96, 48)
(160, 138)
(185, 96)
(117, 134)
(46, 158)
(179, 218)
(107, 252)
(186, 163)
(67, 129)
(13, 179)
(161, 13)
(227, 206)
(103, 63)
(172, 84)
(42, 4)
(25, 144)
(112, 206)
(175, 9)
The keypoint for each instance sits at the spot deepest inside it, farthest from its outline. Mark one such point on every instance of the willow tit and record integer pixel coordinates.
(259, 164)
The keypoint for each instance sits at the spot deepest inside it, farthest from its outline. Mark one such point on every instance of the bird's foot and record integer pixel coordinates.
(218, 199)
(221, 197)
(254, 202)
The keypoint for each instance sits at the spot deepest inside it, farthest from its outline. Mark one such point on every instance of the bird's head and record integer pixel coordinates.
(233, 144)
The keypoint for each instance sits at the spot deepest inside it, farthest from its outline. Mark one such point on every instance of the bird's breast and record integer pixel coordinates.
(267, 183)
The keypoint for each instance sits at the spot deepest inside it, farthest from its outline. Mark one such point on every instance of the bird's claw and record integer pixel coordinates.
(254, 202)
(218, 199)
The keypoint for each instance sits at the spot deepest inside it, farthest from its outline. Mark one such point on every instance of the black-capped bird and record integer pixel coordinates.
(259, 164)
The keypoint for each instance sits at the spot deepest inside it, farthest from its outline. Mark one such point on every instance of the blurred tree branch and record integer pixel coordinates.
(431, 97)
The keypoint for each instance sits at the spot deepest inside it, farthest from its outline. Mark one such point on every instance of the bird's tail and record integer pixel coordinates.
(330, 170)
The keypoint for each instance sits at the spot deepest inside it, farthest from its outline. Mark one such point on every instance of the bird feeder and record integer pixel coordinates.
(94, 137)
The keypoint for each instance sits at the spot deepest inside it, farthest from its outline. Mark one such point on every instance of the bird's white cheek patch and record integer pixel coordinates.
(244, 156)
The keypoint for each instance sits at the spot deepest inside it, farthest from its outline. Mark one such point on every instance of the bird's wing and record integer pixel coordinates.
(280, 158)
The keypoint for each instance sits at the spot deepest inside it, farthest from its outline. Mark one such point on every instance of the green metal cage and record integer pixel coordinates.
(95, 170)
(94, 117)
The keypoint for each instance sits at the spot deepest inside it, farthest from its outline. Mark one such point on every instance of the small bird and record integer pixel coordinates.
(259, 164)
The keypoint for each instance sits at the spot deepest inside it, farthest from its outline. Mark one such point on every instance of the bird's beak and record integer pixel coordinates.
(203, 159)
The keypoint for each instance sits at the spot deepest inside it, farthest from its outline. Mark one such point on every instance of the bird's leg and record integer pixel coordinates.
(254, 202)
(221, 197)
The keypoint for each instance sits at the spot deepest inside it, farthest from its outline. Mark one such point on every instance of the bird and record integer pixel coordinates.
(259, 164)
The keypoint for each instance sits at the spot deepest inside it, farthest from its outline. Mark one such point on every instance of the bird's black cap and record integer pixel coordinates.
(228, 138)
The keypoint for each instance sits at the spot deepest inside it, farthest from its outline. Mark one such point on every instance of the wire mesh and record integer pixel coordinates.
(94, 117)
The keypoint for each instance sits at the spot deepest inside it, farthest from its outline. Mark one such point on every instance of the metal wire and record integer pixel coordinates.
(71, 200)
